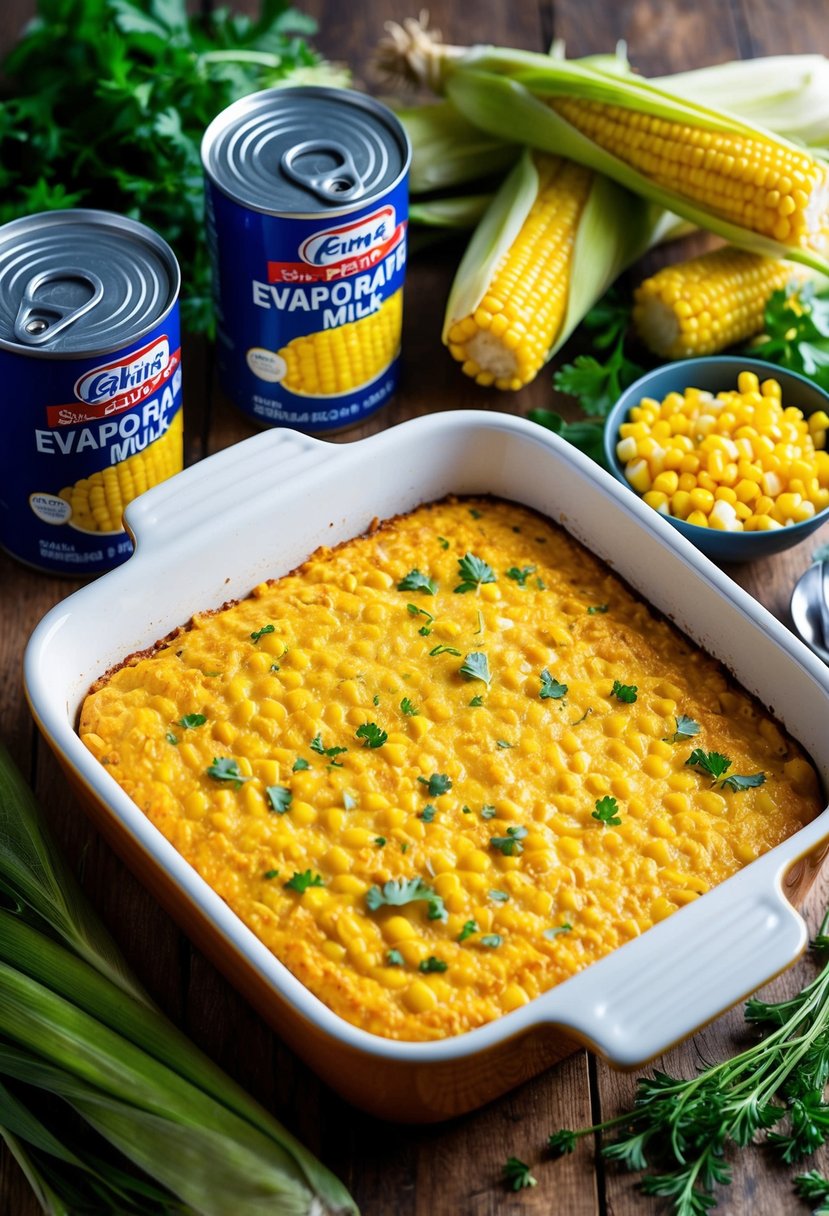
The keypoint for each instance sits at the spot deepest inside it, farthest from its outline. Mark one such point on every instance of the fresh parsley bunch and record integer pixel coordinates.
(796, 324)
(105, 103)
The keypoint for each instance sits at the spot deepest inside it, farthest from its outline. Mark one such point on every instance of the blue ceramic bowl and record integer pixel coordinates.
(716, 373)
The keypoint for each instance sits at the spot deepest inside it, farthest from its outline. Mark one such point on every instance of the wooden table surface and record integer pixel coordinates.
(450, 1168)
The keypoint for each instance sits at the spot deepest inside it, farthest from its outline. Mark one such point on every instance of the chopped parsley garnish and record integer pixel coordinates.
(190, 721)
(469, 928)
(428, 813)
(415, 581)
(476, 667)
(394, 958)
(404, 847)
(258, 633)
(717, 765)
(540, 584)
(407, 708)
(480, 628)
(585, 715)
(594, 608)
(488, 812)
(171, 738)
(426, 629)
(443, 542)
(713, 763)
(371, 734)
(473, 571)
(444, 650)
(301, 882)
(375, 700)
(493, 940)
(299, 765)
(500, 897)
(552, 933)
(475, 513)
(502, 743)
(466, 810)
(606, 810)
(686, 728)
(426, 965)
(349, 801)
(225, 769)
(624, 692)
(379, 841)
(274, 667)
(520, 576)
(476, 702)
(438, 784)
(510, 845)
(551, 690)
(269, 874)
(316, 745)
(397, 892)
(517, 1174)
(279, 796)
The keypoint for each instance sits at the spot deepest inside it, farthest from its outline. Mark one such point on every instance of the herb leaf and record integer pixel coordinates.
(492, 940)
(394, 958)
(438, 784)
(431, 963)
(624, 692)
(686, 728)
(410, 710)
(476, 702)
(316, 745)
(279, 796)
(476, 667)
(225, 769)
(191, 721)
(371, 734)
(300, 765)
(301, 882)
(257, 634)
(510, 845)
(470, 927)
(737, 782)
(415, 581)
(517, 1174)
(606, 810)
(552, 933)
(550, 687)
(397, 893)
(596, 608)
(521, 575)
(712, 763)
(444, 650)
(474, 571)
(428, 813)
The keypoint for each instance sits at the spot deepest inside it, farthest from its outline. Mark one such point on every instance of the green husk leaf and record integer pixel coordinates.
(460, 212)
(448, 150)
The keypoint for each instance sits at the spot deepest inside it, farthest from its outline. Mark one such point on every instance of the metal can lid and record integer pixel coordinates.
(82, 282)
(305, 151)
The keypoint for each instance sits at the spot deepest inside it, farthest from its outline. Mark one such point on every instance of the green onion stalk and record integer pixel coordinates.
(106, 1106)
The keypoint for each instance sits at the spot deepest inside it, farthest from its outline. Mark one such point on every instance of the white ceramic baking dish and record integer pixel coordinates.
(257, 510)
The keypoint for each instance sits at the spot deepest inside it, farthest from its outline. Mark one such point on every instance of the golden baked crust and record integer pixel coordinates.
(501, 801)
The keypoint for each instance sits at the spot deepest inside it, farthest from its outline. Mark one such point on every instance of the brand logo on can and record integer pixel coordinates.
(343, 241)
(127, 380)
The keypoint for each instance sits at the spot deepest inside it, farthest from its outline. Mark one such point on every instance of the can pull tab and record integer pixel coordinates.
(52, 301)
(325, 167)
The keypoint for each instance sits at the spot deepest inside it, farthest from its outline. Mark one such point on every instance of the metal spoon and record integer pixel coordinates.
(810, 609)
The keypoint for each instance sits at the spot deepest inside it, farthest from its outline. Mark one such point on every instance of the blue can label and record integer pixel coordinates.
(86, 435)
(309, 310)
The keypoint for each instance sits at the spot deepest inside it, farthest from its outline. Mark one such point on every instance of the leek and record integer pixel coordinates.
(503, 91)
(80, 1041)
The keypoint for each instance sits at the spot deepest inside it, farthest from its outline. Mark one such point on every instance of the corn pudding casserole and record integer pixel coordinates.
(445, 766)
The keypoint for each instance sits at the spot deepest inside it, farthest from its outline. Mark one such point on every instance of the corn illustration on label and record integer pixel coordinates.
(94, 424)
(306, 221)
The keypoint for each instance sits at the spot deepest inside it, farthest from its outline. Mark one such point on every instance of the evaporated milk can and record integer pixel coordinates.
(306, 211)
(90, 368)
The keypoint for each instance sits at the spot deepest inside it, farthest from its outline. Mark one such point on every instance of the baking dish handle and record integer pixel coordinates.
(684, 972)
(195, 498)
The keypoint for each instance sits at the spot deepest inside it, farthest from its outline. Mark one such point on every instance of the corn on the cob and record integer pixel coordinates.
(337, 360)
(720, 172)
(98, 501)
(506, 339)
(710, 302)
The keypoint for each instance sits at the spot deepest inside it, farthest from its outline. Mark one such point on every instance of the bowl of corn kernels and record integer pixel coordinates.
(732, 451)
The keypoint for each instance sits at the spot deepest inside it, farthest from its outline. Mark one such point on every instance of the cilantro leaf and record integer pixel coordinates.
(521, 575)
(686, 728)
(500, 897)
(171, 738)
(552, 933)
(225, 769)
(470, 927)
(301, 882)
(476, 702)
(517, 1174)
(415, 581)
(254, 637)
(270, 874)
(300, 765)
(443, 542)
(397, 893)
(510, 845)
(597, 385)
(488, 811)
(596, 608)
(606, 811)
(426, 629)
(492, 940)
(317, 746)
(476, 667)
(624, 692)
(550, 687)
(409, 709)
(474, 571)
(394, 958)
(444, 650)
(428, 813)
(712, 763)
(371, 734)
(279, 796)
(438, 784)
(380, 841)
(431, 963)
(191, 721)
(737, 782)
(796, 332)
(504, 744)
